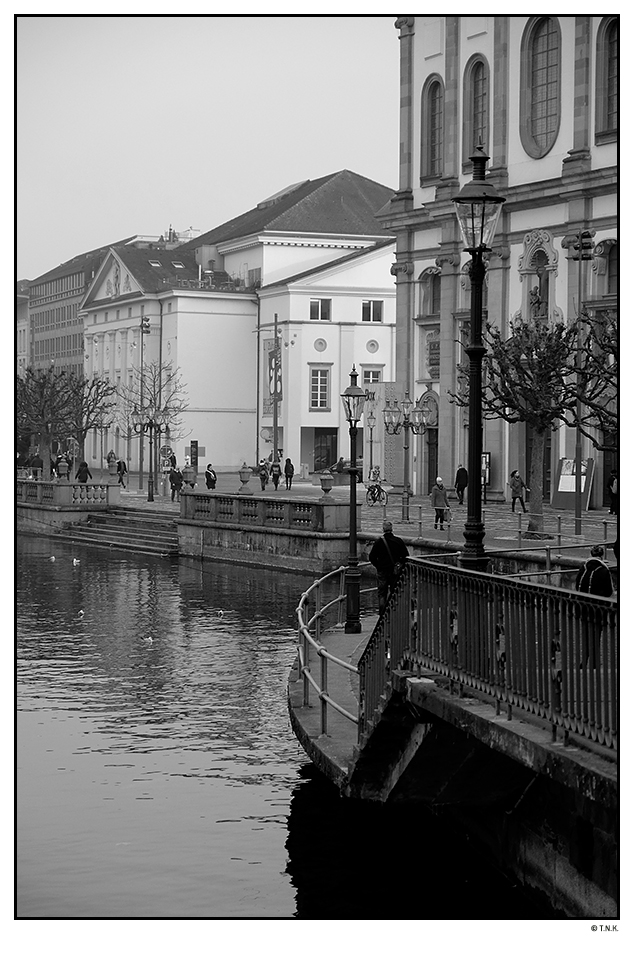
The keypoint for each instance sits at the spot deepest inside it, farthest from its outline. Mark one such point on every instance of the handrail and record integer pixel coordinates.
(306, 642)
(551, 652)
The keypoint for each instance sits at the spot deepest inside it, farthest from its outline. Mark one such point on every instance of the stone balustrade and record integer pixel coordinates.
(241, 510)
(67, 494)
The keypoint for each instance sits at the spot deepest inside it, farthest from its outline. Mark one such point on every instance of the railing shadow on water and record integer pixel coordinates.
(548, 651)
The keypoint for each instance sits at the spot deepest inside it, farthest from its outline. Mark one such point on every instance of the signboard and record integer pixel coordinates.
(275, 373)
(485, 470)
(166, 451)
(193, 453)
(564, 493)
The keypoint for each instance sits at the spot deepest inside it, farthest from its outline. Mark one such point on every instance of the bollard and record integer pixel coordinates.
(559, 532)
(324, 691)
(519, 531)
(420, 521)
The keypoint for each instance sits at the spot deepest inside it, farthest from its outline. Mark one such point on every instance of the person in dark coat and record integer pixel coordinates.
(37, 467)
(122, 470)
(440, 503)
(289, 471)
(461, 482)
(83, 473)
(263, 474)
(388, 555)
(594, 578)
(176, 482)
(276, 472)
(517, 486)
(613, 491)
(210, 477)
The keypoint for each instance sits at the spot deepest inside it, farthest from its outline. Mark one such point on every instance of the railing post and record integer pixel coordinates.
(519, 530)
(559, 532)
(306, 666)
(324, 691)
(342, 597)
(420, 520)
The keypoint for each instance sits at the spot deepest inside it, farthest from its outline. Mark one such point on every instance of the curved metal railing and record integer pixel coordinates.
(310, 629)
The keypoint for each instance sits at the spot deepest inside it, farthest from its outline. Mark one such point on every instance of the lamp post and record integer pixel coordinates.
(144, 329)
(478, 208)
(404, 417)
(353, 399)
(583, 252)
(150, 423)
(370, 420)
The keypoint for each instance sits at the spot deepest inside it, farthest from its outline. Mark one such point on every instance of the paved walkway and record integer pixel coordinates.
(500, 523)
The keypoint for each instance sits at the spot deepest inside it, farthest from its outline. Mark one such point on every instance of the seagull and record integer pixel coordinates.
(52, 558)
(81, 613)
(75, 561)
(150, 639)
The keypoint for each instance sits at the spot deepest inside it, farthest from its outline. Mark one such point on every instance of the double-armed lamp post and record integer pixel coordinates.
(478, 208)
(404, 417)
(152, 423)
(353, 399)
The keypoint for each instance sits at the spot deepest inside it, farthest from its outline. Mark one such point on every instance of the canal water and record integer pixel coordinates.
(157, 773)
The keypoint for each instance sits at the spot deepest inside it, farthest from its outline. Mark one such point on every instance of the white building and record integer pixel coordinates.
(541, 94)
(315, 256)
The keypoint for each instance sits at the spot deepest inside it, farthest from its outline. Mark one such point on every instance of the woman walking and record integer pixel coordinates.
(517, 486)
(289, 471)
(440, 503)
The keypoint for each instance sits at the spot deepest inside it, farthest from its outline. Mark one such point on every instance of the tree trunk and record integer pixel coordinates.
(535, 483)
(45, 454)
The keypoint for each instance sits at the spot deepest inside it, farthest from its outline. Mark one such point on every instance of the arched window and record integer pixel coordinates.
(540, 85)
(429, 292)
(613, 270)
(607, 81)
(475, 119)
(432, 122)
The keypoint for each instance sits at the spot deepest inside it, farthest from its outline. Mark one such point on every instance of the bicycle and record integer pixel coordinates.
(375, 494)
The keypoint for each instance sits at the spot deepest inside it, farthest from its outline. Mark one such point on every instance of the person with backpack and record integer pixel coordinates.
(388, 556)
(276, 472)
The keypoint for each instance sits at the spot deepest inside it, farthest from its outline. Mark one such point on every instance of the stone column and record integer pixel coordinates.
(578, 159)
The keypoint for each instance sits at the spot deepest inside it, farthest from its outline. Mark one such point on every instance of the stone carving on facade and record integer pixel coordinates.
(116, 279)
(401, 267)
(108, 288)
(601, 254)
(127, 286)
(538, 267)
(448, 258)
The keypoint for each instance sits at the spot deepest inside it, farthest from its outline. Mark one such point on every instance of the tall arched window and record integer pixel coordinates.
(429, 292)
(540, 85)
(475, 116)
(432, 123)
(607, 81)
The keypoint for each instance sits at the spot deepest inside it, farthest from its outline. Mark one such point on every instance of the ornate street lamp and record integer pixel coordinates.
(370, 420)
(478, 208)
(404, 417)
(353, 399)
(150, 423)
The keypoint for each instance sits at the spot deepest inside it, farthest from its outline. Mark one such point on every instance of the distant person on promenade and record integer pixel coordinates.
(210, 477)
(461, 482)
(37, 466)
(289, 471)
(176, 483)
(83, 473)
(388, 556)
(440, 503)
(613, 491)
(276, 472)
(122, 470)
(517, 486)
(263, 474)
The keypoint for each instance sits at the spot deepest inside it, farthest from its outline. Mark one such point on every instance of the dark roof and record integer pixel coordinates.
(340, 203)
(137, 260)
(334, 263)
(87, 261)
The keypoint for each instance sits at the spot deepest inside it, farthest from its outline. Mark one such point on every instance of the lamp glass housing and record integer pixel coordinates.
(478, 220)
(353, 399)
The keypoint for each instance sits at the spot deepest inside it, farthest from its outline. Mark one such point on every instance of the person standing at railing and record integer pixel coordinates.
(83, 473)
(388, 556)
(594, 578)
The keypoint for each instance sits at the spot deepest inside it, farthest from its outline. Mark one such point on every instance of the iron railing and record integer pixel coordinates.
(326, 597)
(548, 651)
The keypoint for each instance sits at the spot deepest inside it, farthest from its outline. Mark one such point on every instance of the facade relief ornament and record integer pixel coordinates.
(537, 267)
(448, 258)
(127, 286)
(401, 267)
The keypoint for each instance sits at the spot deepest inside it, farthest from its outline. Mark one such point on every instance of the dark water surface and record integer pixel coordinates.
(157, 773)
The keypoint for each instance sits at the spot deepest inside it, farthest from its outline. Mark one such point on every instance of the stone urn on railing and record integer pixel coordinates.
(326, 481)
(245, 474)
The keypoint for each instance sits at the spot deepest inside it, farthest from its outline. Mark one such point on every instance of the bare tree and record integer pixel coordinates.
(593, 371)
(92, 405)
(526, 378)
(160, 394)
(43, 403)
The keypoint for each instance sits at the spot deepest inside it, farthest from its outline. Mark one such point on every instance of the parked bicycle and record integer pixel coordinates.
(376, 494)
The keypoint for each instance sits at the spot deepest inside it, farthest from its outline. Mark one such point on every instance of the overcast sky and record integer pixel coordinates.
(126, 125)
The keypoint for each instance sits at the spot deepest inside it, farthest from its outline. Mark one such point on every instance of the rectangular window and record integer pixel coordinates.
(372, 311)
(320, 310)
(371, 377)
(319, 389)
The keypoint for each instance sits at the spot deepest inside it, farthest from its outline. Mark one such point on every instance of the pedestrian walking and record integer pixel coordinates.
(517, 486)
(83, 473)
(122, 470)
(339, 466)
(289, 471)
(440, 503)
(461, 482)
(210, 477)
(276, 472)
(594, 578)
(176, 482)
(37, 466)
(388, 556)
(263, 474)
(613, 491)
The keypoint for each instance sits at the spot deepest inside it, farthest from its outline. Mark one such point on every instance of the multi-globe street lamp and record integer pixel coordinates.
(370, 420)
(478, 208)
(404, 417)
(353, 399)
(152, 423)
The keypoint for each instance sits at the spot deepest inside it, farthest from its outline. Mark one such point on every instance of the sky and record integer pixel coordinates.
(127, 125)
